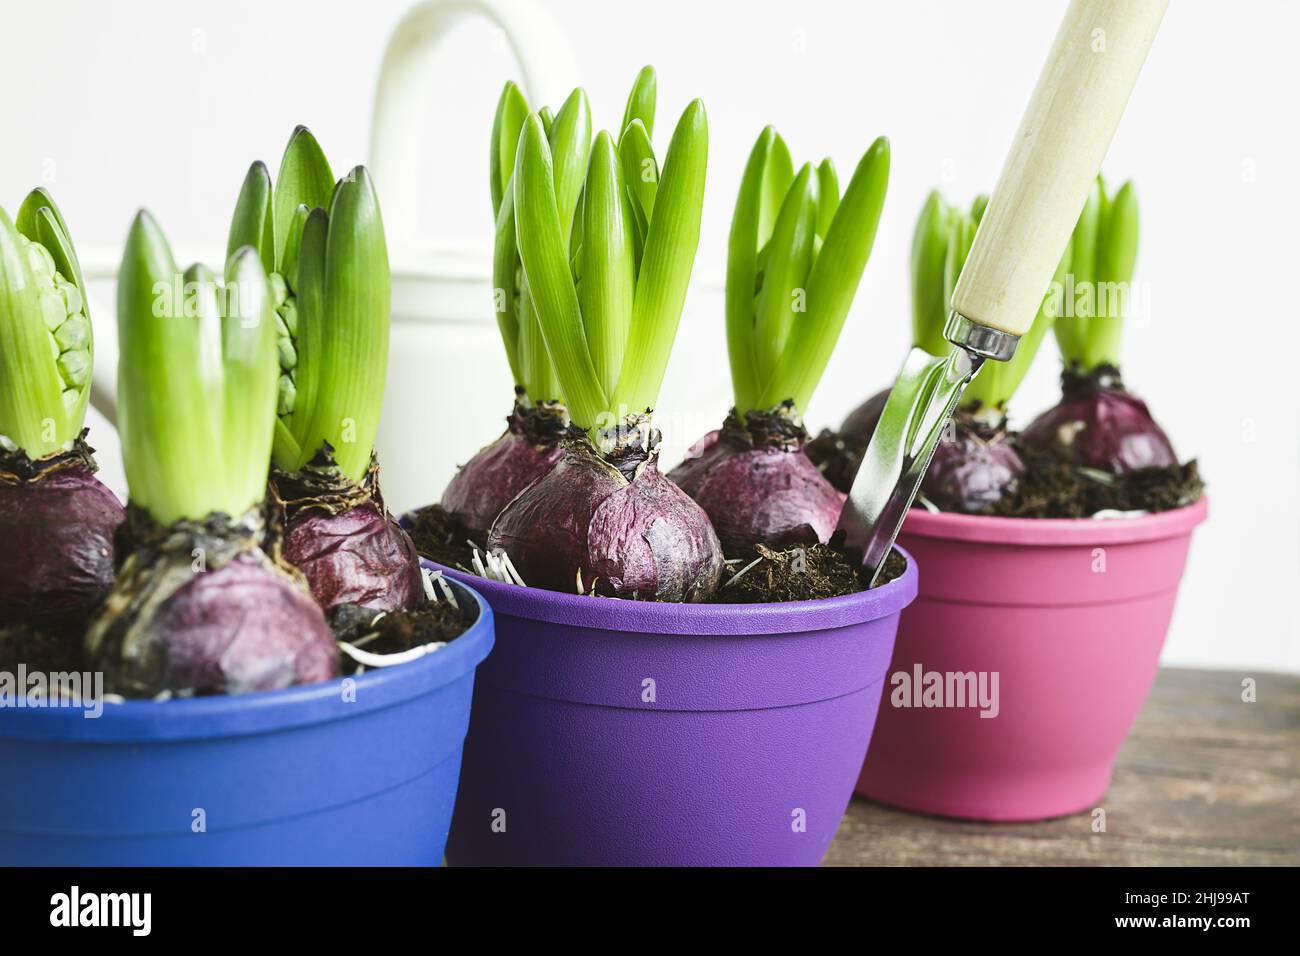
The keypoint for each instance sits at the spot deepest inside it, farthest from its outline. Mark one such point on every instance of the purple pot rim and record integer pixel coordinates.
(695, 620)
(1055, 532)
(259, 712)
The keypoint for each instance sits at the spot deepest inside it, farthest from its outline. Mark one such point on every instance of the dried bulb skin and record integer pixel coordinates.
(861, 423)
(973, 469)
(199, 606)
(486, 483)
(1100, 424)
(338, 533)
(621, 531)
(56, 522)
(758, 486)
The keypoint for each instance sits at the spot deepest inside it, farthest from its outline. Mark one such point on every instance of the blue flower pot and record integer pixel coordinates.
(356, 771)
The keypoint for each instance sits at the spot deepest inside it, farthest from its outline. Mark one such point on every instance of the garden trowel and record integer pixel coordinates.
(1054, 159)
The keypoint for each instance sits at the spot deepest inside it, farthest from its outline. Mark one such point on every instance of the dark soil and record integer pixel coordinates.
(393, 632)
(439, 537)
(1052, 487)
(799, 574)
(48, 648)
(835, 457)
(822, 572)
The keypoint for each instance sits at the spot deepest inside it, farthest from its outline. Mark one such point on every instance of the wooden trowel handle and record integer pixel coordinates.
(1054, 159)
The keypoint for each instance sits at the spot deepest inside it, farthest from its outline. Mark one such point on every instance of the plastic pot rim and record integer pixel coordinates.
(694, 620)
(1054, 532)
(236, 715)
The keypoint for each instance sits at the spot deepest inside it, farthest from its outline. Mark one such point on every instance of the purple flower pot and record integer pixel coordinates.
(608, 732)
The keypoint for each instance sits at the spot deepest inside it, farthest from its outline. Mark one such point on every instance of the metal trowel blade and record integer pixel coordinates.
(919, 408)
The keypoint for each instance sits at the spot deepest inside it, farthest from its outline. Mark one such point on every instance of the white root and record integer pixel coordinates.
(510, 566)
(367, 659)
(426, 579)
(447, 592)
(747, 567)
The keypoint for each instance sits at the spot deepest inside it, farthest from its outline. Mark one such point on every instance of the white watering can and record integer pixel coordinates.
(449, 387)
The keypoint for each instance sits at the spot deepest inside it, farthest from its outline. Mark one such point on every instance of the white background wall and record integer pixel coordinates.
(146, 102)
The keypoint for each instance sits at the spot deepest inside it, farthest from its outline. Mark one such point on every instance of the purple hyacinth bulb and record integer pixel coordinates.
(588, 525)
(973, 467)
(758, 486)
(486, 483)
(861, 423)
(57, 532)
(1100, 424)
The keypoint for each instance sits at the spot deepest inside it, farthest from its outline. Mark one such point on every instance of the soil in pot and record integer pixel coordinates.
(798, 574)
(1051, 486)
(757, 576)
(48, 647)
(396, 632)
(439, 537)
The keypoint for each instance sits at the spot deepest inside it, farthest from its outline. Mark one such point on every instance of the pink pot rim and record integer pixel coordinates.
(1054, 532)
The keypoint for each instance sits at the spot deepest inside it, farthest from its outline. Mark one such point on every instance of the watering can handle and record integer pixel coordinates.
(403, 98)
(1054, 158)
(402, 101)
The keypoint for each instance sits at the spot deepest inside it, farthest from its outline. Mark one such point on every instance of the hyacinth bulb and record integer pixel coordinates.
(58, 554)
(1099, 424)
(486, 483)
(587, 526)
(758, 486)
(971, 469)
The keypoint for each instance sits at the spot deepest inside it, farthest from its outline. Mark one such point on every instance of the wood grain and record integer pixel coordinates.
(1205, 779)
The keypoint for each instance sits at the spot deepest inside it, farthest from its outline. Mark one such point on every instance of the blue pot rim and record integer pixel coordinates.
(649, 617)
(260, 712)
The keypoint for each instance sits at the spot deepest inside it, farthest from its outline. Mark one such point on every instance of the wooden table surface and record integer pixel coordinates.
(1204, 779)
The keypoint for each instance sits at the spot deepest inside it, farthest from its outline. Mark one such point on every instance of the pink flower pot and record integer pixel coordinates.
(1063, 620)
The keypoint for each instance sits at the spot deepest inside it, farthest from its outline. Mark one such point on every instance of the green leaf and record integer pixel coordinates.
(1071, 329)
(1113, 269)
(784, 291)
(778, 176)
(512, 110)
(310, 341)
(828, 196)
(834, 281)
(961, 236)
(640, 170)
(541, 241)
(641, 102)
(929, 253)
(607, 289)
(253, 222)
(348, 391)
(742, 274)
(204, 305)
(506, 282)
(670, 245)
(304, 179)
(570, 141)
(40, 220)
(170, 429)
(251, 372)
(293, 245)
(539, 380)
(32, 414)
